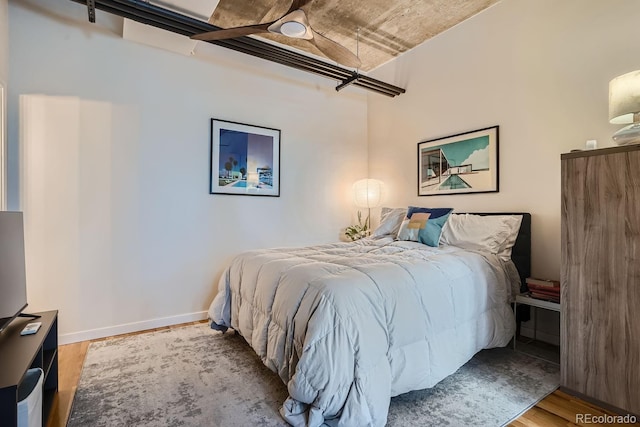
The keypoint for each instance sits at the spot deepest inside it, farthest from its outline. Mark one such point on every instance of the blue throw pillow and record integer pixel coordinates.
(430, 234)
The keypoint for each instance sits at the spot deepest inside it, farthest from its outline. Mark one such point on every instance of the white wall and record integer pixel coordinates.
(121, 229)
(4, 40)
(4, 78)
(538, 69)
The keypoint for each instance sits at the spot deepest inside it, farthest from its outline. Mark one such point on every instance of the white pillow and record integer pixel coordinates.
(492, 233)
(390, 221)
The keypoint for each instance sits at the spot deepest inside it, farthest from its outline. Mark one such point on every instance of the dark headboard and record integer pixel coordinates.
(521, 252)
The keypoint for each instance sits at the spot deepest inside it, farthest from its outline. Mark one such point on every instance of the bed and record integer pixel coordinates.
(347, 326)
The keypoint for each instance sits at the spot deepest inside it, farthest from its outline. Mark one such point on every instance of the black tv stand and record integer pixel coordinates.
(33, 316)
(18, 354)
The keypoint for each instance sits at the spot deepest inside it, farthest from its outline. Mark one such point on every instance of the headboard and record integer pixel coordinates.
(521, 252)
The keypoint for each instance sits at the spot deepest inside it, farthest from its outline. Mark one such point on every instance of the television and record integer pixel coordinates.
(13, 284)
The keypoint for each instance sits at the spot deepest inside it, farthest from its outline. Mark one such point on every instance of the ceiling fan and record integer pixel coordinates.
(293, 24)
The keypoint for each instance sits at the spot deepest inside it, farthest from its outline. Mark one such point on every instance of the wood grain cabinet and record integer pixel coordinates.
(600, 322)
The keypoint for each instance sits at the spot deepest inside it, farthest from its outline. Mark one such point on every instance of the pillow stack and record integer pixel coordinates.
(433, 226)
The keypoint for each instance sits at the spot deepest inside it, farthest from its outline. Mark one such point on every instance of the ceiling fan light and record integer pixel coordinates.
(293, 29)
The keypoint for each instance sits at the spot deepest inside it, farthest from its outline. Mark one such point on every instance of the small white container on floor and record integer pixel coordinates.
(30, 399)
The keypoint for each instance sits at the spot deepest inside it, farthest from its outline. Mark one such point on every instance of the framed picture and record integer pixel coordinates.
(245, 159)
(459, 164)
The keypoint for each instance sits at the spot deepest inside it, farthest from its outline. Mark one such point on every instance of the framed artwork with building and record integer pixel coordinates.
(459, 164)
(245, 159)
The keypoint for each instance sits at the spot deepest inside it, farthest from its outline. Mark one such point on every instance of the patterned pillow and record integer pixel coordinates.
(411, 226)
(424, 225)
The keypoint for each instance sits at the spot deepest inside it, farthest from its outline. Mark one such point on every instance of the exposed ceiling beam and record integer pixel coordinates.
(169, 20)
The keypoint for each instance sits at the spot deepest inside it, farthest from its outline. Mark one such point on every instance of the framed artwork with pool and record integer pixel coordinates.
(245, 159)
(459, 164)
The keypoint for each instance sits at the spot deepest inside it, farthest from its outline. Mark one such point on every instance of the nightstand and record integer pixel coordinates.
(536, 303)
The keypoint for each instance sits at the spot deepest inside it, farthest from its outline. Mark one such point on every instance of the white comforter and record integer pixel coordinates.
(349, 325)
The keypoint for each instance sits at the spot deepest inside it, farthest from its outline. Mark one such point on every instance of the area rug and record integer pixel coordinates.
(194, 376)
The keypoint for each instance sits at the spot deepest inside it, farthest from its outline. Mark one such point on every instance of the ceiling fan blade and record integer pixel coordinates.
(335, 51)
(231, 33)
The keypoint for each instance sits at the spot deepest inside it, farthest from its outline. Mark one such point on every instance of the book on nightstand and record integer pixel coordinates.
(544, 283)
(544, 289)
(546, 297)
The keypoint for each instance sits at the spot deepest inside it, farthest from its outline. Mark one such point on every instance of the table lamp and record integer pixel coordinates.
(624, 107)
(367, 193)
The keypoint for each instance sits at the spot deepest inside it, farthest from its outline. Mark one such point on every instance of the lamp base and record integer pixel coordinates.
(627, 135)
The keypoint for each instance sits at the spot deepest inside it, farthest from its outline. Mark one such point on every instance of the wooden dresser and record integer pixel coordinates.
(600, 322)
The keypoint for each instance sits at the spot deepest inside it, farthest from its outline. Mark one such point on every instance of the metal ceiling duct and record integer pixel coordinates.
(169, 20)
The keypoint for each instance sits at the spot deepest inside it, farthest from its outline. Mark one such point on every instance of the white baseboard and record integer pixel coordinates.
(540, 336)
(127, 328)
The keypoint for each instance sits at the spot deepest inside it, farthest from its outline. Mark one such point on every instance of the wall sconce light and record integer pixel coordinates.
(624, 107)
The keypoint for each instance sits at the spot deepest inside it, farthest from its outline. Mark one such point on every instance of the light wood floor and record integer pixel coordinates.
(557, 409)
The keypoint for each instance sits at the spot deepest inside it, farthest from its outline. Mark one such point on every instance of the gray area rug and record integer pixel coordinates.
(194, 376)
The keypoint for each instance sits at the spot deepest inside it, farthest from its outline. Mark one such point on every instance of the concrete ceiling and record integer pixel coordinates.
(387, 27)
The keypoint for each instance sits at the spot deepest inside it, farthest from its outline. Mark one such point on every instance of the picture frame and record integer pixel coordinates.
(244, 159)
(459, 164)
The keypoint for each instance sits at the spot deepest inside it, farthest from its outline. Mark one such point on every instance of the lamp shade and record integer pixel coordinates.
(367, 193)
(624, 98)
